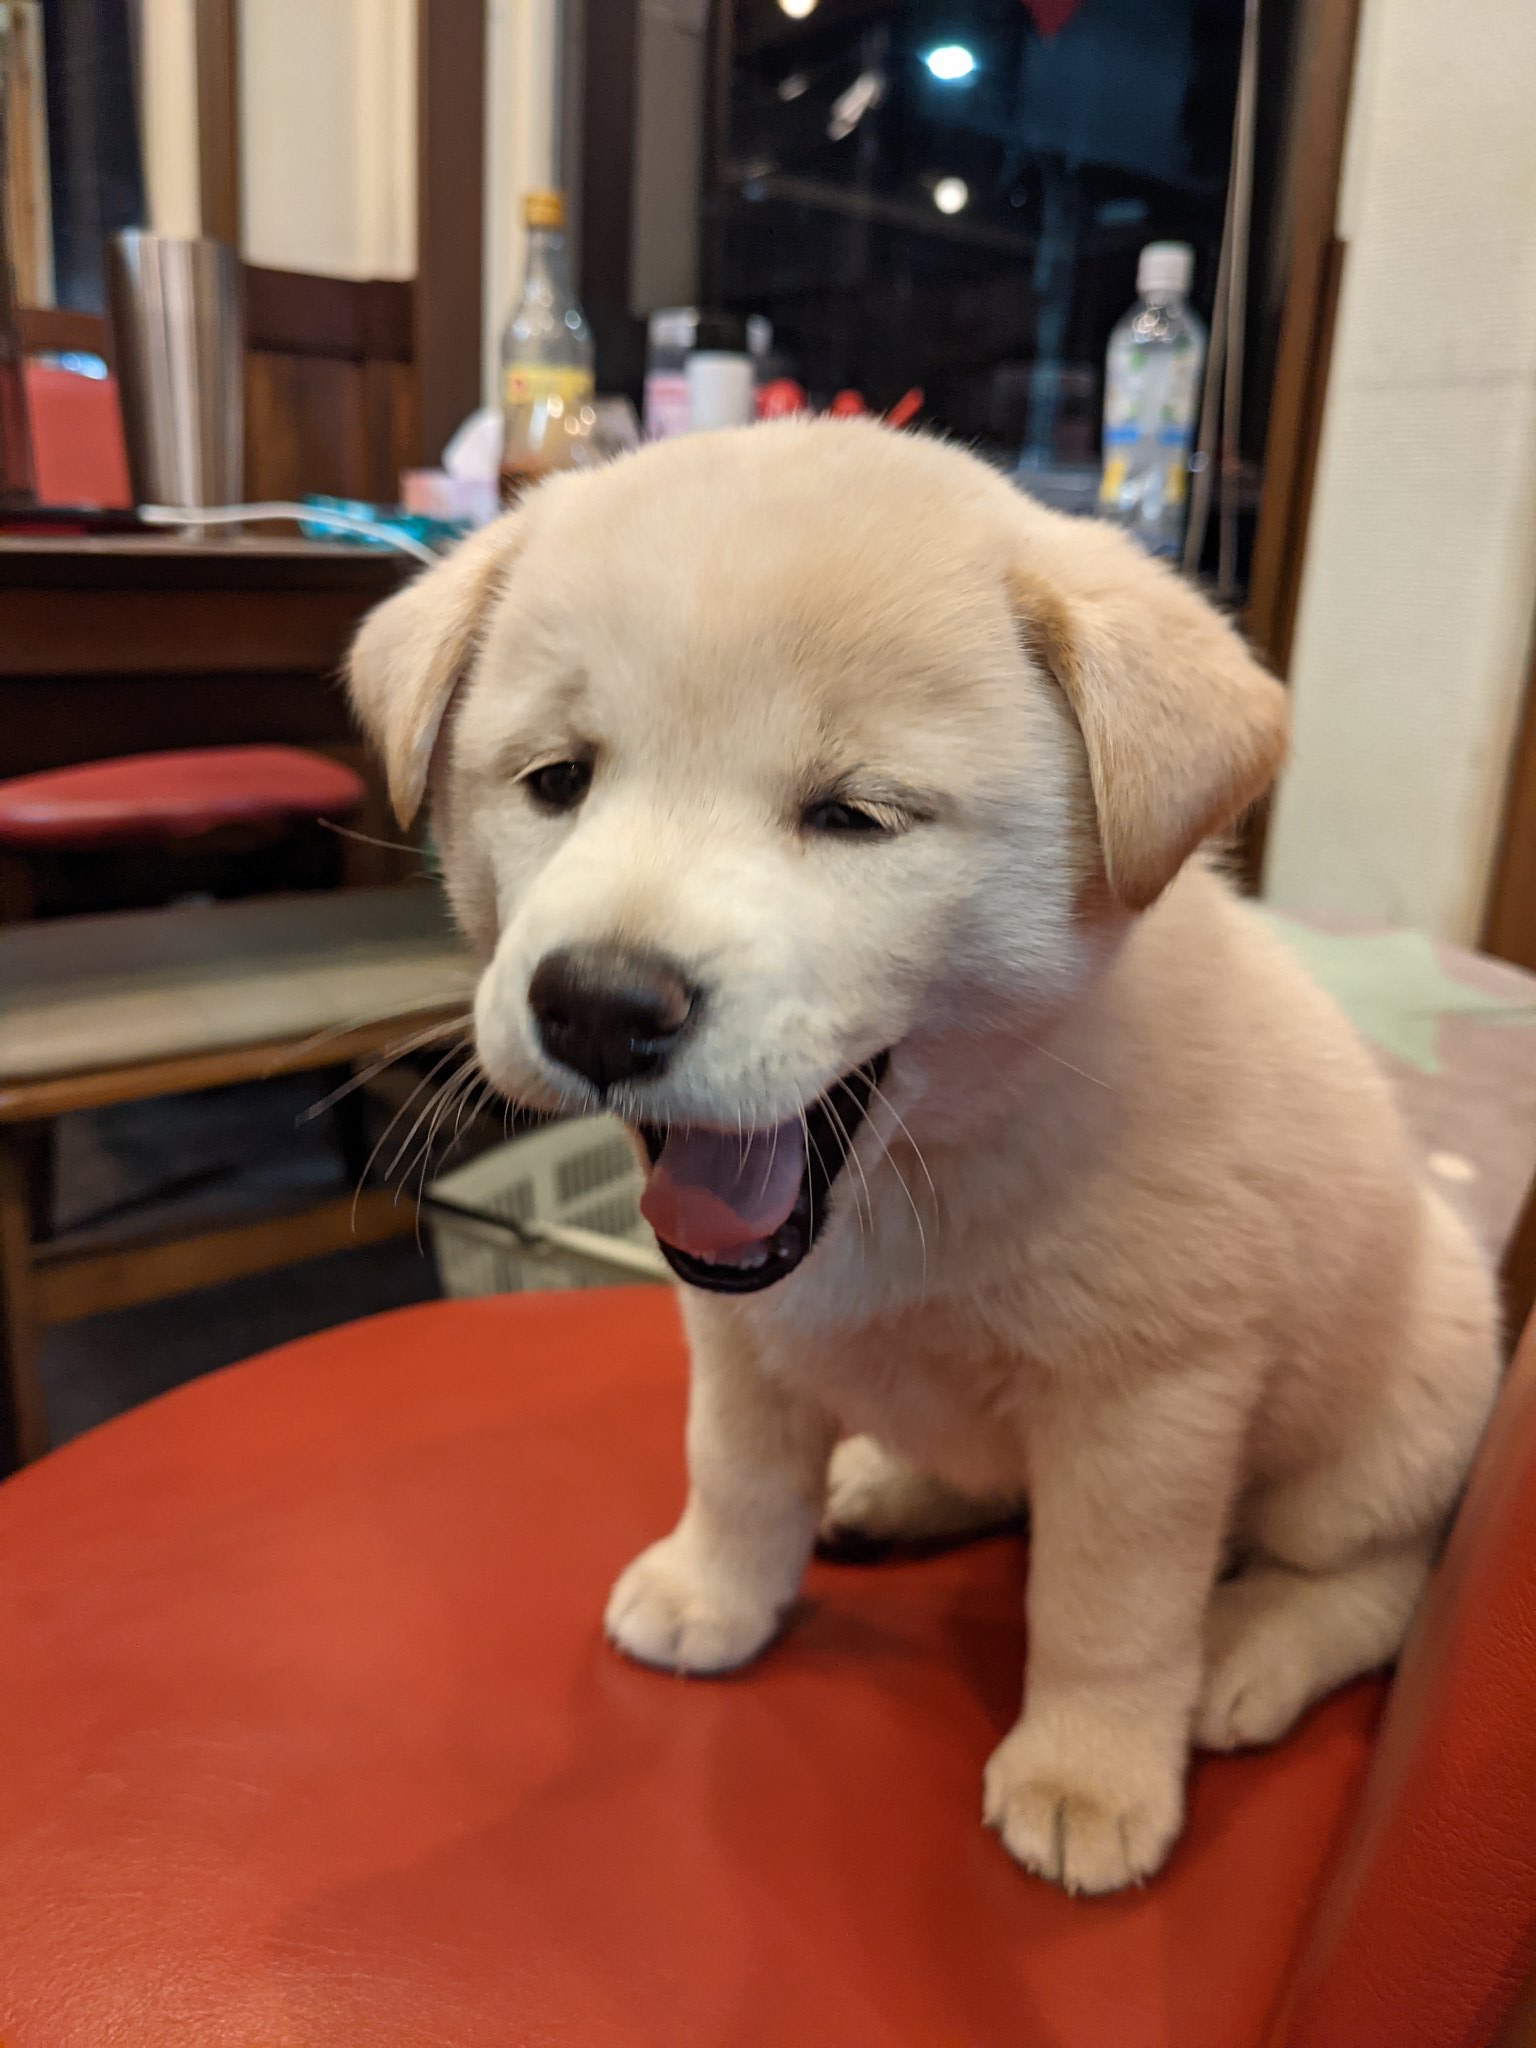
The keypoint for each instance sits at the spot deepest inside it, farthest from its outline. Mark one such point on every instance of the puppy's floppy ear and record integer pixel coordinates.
(413, 649)
(1183, 729)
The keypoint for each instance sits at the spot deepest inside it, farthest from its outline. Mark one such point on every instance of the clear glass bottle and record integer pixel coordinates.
(1151, 396)
(546, 357)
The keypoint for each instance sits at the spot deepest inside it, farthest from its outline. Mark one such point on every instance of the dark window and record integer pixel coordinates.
(97, 185)
(1079, 133)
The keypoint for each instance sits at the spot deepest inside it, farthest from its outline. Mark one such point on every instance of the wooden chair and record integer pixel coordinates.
(116, 1009)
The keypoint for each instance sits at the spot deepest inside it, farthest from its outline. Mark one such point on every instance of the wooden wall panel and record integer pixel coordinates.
(303, 426)
(331, 389)
(450, 160)
(216, 31)
(315, 424)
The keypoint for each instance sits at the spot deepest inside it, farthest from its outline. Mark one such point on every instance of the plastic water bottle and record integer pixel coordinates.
(1151, 393)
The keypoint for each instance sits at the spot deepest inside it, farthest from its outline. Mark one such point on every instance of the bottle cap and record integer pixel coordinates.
(544, 209)
(720, 334)
(672, 327)
(1165, 268)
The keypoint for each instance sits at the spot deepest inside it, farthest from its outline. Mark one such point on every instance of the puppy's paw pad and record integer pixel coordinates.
(665, 1612)
(1084, 1835)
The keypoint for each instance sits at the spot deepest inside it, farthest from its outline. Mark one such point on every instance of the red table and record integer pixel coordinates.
(311, 1737)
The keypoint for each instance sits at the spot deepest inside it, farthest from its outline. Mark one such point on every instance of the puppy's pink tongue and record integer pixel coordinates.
(713, 1192)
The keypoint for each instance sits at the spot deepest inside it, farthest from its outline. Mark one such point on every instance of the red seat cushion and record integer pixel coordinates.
(311, 1736)
(172, 796)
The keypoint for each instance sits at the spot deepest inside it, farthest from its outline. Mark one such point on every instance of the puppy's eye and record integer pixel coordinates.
(559, 785)
(844, 820)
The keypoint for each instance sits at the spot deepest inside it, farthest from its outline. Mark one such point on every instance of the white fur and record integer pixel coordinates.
(1133, 1231)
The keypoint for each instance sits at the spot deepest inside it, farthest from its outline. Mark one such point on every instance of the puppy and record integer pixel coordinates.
(833, 814)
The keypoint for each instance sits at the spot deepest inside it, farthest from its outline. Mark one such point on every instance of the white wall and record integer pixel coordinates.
(1420, 571)
(327, 131)
(167, 80)
(328, 135)
(522, 148)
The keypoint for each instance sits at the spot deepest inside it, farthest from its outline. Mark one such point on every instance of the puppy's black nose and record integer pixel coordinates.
(610, 1013)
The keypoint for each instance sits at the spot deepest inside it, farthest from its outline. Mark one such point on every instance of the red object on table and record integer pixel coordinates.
(1051, 16)
(77, 437)
(848, 405)
(313, 1737)
(158, 797)
(780, 399)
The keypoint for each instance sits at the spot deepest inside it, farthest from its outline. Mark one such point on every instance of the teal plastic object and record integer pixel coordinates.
(432, 533)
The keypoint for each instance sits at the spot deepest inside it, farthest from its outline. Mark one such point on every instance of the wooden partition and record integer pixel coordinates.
(330, 381)
(330, 386)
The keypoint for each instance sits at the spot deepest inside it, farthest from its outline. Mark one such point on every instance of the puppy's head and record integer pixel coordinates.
(761, 759)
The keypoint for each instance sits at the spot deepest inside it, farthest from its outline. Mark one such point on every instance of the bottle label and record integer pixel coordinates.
(666, 405)
(1150, 398)
(538, 383)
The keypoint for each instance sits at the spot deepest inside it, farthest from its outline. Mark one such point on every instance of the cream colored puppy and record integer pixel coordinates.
(831, 812)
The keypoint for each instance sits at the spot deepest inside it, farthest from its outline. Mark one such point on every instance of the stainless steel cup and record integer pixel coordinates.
(179, 343)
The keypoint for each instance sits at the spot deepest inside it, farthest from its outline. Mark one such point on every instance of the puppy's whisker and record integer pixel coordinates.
(423, 1158)
(425, 1082)
(459, 1083)
(430, 1109)
(466, 1096)
(453, 1090)
(465, 1093)
(383, 1138)
(304, 1046)
(852, 1159)
(901, 1178)
(421, 1114)
(366, 839)
(390, 1056)
(810, 1190)
(1045, 1051)
(917, 1214)
(917, 1151)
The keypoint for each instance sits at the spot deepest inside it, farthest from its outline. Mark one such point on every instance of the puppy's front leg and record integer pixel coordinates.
(712, 1594)
(1129, 1500)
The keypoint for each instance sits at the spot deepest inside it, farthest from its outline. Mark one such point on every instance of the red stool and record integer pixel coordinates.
(162, 800)
(311, 1736)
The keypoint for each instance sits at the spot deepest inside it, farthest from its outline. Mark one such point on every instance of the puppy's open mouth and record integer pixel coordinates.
(736, 1213)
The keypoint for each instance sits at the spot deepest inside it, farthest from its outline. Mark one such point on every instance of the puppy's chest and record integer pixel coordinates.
(930, 1385)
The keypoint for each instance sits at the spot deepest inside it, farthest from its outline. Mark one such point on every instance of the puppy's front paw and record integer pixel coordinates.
(665, 1611)
(1087, 1829)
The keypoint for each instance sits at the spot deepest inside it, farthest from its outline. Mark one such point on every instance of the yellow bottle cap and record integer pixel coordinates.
(544, 209)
